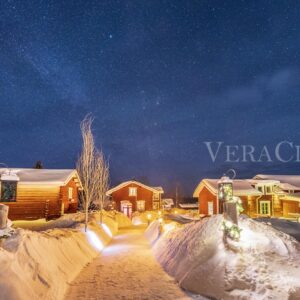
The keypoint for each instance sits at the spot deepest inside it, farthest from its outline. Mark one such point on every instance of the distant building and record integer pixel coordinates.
(39, 193)
(167, 203)
(264, 195)
(133, 196)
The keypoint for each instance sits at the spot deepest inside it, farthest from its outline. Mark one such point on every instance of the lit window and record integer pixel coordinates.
(8, 191)
(132, 191)
(70, 193)
(140, 205)
(155, 196)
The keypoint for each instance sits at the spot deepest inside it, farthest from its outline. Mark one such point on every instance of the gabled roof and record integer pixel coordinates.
(155, 189)
(58, 177)
(292, 180)
(241, 187)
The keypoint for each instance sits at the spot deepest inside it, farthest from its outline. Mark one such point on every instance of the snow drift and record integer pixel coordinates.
(41, 264)
(264, 263)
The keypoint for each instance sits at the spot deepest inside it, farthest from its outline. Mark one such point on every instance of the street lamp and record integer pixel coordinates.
(149, 216)
(228, 206)
(225, 192)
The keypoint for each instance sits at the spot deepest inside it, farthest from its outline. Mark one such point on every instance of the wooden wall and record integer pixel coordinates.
(206, 196)
(70, 205)
(40, 201)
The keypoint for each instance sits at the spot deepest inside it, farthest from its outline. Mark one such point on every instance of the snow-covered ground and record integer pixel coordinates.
(264, 264)
(41, 264)
(126, 269)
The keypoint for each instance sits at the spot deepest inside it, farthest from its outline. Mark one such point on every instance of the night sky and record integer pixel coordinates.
(160, 77)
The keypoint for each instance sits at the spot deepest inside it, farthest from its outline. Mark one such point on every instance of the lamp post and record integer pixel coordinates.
(225, 192)
(228, 206)
(149, 216)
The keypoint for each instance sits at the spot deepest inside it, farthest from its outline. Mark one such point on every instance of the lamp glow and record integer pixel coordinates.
(106, 229)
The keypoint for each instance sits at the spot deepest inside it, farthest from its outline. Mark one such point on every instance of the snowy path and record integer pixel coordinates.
(126, 269)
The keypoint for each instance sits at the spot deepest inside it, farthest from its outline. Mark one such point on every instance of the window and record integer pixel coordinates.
(155, 205)
(70, 192)
(140, 205)
(132, 191)
(268, 189)
(155, 196)
(8, 191)
(265, 207)
(260, 189)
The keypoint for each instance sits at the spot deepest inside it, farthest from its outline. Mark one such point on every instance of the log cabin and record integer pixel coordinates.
(39, 193)
(262, 196)
(133, 196)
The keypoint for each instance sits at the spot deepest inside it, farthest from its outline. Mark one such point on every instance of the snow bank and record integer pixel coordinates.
(115, 219)
(263, 264)
(122, 220)
(41, 264)
(152, 232)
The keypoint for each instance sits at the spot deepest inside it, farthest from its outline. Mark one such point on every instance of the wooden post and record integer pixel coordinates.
(3, 216)
(230, 212)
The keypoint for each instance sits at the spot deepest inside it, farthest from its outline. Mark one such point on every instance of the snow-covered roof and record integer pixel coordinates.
(292, 180)
(168, 201)
(155, 189)
(241, 187)
(43, 176)
(188, 205)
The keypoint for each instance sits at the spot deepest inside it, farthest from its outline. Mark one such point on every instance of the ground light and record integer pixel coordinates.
(94, 240)
(106, 229)
(160, 228)
(149, 216)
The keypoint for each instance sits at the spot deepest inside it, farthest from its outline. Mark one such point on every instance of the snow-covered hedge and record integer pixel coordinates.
(265, 263)
(39, 265)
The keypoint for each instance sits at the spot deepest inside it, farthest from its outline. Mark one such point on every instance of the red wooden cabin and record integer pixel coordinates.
(39, 193)
(132, 196)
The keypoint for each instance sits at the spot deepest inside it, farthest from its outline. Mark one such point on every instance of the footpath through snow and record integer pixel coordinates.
(126, 269)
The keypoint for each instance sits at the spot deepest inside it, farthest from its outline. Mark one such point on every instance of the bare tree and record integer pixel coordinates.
(92, 169)
(103, 185)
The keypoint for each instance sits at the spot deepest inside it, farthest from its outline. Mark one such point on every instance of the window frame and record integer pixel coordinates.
(14, 199)
(140, 205)
(132, 188)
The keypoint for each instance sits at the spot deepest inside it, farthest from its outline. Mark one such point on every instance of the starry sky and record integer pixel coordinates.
(160, 77)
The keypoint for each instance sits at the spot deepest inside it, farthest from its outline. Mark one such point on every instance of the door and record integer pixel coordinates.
(210, 208)
(126, 208)
(265, 208)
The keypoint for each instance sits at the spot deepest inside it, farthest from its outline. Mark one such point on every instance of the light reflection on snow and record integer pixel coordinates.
(106, 229)
(169, 227)
(94, 240)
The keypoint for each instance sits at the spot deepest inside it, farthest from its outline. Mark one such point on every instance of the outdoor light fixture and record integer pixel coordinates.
(149, 216)
(230, 206)
(225, 191)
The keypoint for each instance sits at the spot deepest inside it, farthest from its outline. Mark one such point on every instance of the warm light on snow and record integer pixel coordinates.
(94, 240)
(169, 227)
(106, 229)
